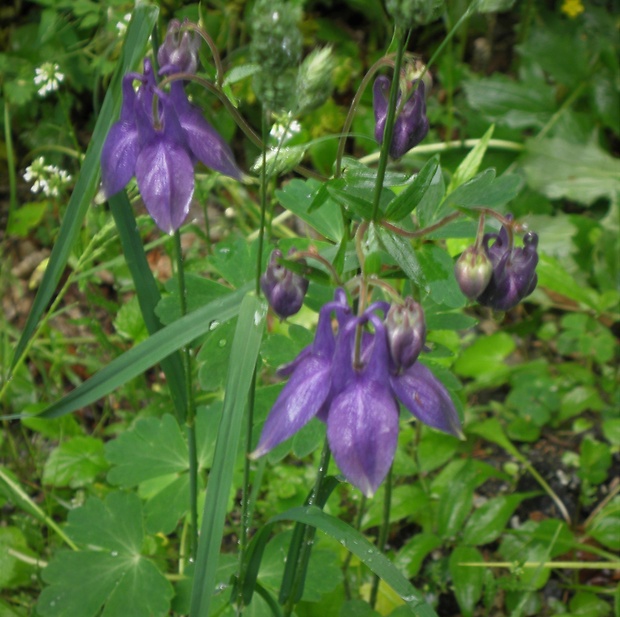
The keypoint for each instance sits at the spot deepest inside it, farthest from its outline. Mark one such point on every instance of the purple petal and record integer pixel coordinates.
(204, 141)
(120, 150)
(165, 178)
(380, 94)
(299, 401)
(427, 399)
(118, 157)
(362, 428)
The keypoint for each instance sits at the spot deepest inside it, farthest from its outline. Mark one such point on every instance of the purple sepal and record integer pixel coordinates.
(120, 150)
(299, 401)
(164, 170)
(411, 125)
(427, 399)
(203, 140)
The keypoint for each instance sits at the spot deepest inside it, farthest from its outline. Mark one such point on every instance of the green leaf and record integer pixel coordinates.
(144, 355)
(129, 322)
(604, 527)
(430, 208)
(455, 504)
(438, 269)
(469, 166)
(238, 73)
(401, 250)
(14, 572)
(111, 577)
(594, 460)
(153, 447)
(26, 217)
(510, 103)
(357, 204)
(298, 195)
(413, 194)
(140, 28)
(364, 550)
(212, 359)
(410, 556)
(468, 581)
(579, 172)
(243, 357)
(484, 360)
(487, 523)
(485, 190)
(76, 462)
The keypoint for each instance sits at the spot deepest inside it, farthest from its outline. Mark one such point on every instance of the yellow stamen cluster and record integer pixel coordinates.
(572, 8)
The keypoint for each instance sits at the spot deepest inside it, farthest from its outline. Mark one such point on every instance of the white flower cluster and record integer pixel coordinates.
(46, 179)
(284, 131)
(121, 26)
(48, 77)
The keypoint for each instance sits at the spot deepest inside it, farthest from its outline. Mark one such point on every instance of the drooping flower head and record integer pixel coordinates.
(355, 389)
(284, 290)
(161, 147)
(411, 124)
(514, 270)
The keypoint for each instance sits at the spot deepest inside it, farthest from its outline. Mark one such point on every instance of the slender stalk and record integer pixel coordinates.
(191, 409)
(10, 162)
(347, 562)
(263, 202)
(383, 533)
(308, 541)
(389, 122)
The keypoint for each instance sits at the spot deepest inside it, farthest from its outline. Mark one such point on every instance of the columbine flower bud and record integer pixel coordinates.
(179, 49)
(284, 290)
(514, 271)
(411, 125)
(406, 332)
(473, 271)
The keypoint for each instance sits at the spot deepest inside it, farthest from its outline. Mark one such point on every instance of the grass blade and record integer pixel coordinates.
(355, 542)
(244, 353)
(144, 355)
(142, 22)
(148, 294)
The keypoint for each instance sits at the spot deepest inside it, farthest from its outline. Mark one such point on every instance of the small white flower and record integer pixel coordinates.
(47, 179)
(48, 76)
(121, 26)
(282, 131)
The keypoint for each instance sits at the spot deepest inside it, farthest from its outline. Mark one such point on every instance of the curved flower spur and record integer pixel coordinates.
(358, 397)
(161, 144)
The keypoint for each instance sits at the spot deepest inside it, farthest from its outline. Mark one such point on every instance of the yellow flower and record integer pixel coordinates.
(572, 8)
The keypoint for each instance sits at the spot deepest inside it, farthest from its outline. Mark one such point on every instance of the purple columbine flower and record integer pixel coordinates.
(514, 270)
(358, 397)
(285, 290)
(411, 124)
(161, 148)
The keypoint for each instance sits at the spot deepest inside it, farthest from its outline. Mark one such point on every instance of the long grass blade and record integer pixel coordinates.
(355, 542)
(138, 32)
(144, 355)
(148, 294)
(244, 353)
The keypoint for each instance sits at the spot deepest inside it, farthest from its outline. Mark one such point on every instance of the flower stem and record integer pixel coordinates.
(263, 202)
(191, 410)
(308, 536)
(383, 533)
(389, 122)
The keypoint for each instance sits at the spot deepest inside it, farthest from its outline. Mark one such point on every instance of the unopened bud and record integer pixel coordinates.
(284, 290)
(406, 332)
(411, 124)
(473, 271)
(179, 49)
